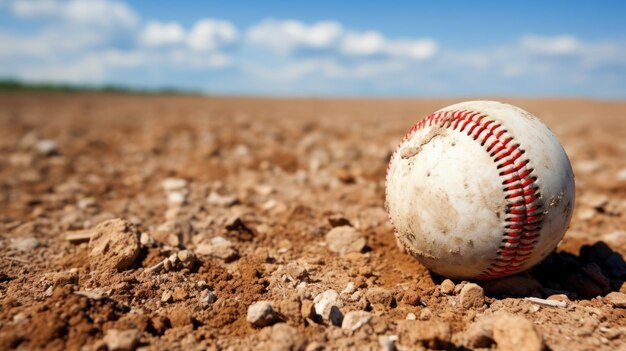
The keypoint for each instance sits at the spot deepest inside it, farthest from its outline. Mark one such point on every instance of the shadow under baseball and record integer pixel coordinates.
(595, 271)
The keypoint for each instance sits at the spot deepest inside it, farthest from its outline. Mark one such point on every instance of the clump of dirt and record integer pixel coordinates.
(182, 222)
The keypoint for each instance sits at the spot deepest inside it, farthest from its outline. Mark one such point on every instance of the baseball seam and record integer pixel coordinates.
(523, 212)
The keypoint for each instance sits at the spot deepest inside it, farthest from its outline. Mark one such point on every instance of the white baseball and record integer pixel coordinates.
(480, 190)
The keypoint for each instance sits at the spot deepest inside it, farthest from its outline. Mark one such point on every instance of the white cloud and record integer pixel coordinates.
(210, 34)
(368, 43)
(84, 71)
(558, 45)
(157, 34)
(47, 43)
(98, 13)
(412, 49)
(286, 36)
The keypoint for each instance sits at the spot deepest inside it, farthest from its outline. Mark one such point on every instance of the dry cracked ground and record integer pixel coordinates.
(187, 222)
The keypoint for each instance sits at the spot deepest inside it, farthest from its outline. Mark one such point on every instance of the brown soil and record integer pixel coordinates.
(281, 170)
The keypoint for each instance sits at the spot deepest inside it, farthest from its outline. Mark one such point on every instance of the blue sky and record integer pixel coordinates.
(322, 48)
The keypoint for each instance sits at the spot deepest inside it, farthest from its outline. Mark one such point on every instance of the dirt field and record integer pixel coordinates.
(226, 202)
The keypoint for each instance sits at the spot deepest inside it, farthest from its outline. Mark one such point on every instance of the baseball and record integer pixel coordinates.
(479, 190)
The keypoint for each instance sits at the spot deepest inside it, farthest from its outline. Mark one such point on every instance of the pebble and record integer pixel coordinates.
(447, 287)
(176, 197)
(425, 314)
(167, 296)
(472, 296)
(261, 314)
(187, 258)
(25, 244)
(431, 334)
(218, 247)
(180, 294)
(208, 297)
(293, 271)
(121, 340)
(344, 240)
(173, 184)
(378, 295)
(349, 289)
(47, 147)
(354, 320)
(221, 200)
(411, 316)
(146, 240)
(617, 299)
(514, 285)
(327, 305)
(114, 245)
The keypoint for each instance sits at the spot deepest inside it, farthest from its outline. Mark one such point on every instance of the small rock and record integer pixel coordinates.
(187, 258)
(411, 297)
(146, 240)
(559, 297)
(425, 314)
(293, 271)
(25, 244)
(411, 316)
(327, 305)
(114, 245)
(447, 287)
(431, 334)
(19, 318)
(344, 240)
(378, 295)
(354, 320)
(218, 247)
(173, 184)
(514, 285)
(176, 198)
(167, 296)
(208, 297)
(617, 299)
(63, 278)
(221, 200)
(261, 314)
(47, 147)
(121, 340)
(286, 338)
(472, 296)
(349, 289)
(180, 294)
(338, 220)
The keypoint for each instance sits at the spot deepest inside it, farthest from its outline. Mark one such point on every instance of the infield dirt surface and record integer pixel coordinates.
(251, 188)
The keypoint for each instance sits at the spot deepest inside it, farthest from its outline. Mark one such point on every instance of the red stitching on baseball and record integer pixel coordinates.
(523, 210)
